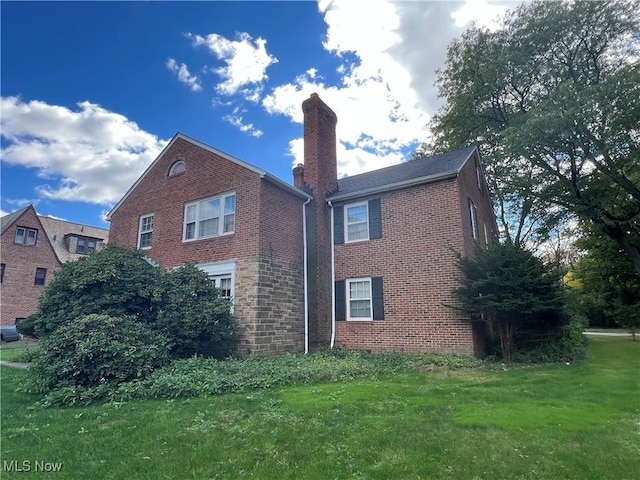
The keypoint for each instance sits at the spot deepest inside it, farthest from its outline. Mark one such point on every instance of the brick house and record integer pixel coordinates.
(33, 248)
(364, 262)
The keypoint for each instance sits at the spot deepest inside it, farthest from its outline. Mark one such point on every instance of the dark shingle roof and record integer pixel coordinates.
(418, 171)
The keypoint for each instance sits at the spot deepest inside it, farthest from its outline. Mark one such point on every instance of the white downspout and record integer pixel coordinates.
(306, 287)
(333, 281)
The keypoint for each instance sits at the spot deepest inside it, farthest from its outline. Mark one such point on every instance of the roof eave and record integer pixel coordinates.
(284, 185)
(394, 186)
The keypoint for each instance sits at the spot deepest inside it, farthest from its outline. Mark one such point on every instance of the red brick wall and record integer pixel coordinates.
(468, 187)
(18, 294)
(266, 242)
(420, 226)
(206, 175)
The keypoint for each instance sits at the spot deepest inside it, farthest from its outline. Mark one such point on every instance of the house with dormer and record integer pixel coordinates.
(33, 248)
(362, 262)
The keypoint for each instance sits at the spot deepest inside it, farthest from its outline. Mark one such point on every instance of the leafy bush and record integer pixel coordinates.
(115, 281)
(182, 304)
(97, 351)
(192, 313)
(566, 343)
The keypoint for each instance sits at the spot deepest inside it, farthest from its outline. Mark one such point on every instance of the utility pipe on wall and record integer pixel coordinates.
(306, 286)
(333, 281)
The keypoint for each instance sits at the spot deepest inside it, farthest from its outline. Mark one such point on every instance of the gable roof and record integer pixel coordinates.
(414, 172)
(7, 220)
(57, 230)
(261, 172)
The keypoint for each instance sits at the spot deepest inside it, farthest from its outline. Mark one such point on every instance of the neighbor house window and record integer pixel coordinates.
(146, 231)
(41, 275)
(357, 222)
(86, 245)
(26, 236)
(2, 265)
(177, 168)
(210, 217)
(473, 217)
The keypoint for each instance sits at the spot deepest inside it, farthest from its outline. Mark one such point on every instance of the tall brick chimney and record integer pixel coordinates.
(321, 176)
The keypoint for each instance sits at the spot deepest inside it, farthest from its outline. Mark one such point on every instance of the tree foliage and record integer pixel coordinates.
(552, 99)
(514, 291)
(605, 284)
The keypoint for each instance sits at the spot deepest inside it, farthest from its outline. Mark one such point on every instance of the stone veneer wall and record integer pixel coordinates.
(269, 306)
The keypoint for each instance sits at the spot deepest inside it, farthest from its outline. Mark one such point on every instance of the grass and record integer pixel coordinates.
(578, 421)
(9, 351)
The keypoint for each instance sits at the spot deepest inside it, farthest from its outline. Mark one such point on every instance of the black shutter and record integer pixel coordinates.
(375, 219)
(341, 302)
(378, 300)
(338, 225)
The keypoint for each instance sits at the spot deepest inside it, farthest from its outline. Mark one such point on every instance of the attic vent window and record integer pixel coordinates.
(177, 168)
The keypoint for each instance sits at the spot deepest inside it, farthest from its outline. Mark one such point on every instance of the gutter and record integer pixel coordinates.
(396, 186)
(333, 281)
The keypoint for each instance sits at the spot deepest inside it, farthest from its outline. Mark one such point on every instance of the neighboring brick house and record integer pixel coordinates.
(377, 248)
(33, 248)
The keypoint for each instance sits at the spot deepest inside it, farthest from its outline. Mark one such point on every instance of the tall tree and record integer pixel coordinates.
(552, 99)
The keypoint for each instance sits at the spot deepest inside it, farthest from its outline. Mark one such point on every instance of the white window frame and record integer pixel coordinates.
(218, 271)
(347, 237)
(196, 220)
(146, 231)
(348, 299)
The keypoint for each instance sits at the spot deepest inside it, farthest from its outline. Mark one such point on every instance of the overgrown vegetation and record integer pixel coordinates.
(112, 317)
(200, 376)
(521, 299)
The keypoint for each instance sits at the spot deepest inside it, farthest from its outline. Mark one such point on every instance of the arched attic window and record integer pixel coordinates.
(177, 167)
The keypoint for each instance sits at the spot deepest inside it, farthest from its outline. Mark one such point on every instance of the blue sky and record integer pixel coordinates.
(92, 91)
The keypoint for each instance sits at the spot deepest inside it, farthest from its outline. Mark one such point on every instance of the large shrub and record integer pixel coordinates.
(183, 305)
(97, 350)
(115, 281)
(514, 291)
(194, 315)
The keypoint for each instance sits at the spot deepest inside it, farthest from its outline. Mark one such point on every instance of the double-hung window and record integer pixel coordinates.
(357, 222)
(359, 299)
(209, 217)
(26, 236)
(145, 232)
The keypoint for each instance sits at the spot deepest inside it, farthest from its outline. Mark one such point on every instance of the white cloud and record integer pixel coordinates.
(246, 61)
(390, 52)
(184, 76)
(236, 119)
(90, 154)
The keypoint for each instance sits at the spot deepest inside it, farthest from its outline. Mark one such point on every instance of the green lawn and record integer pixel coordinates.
(578, 421)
